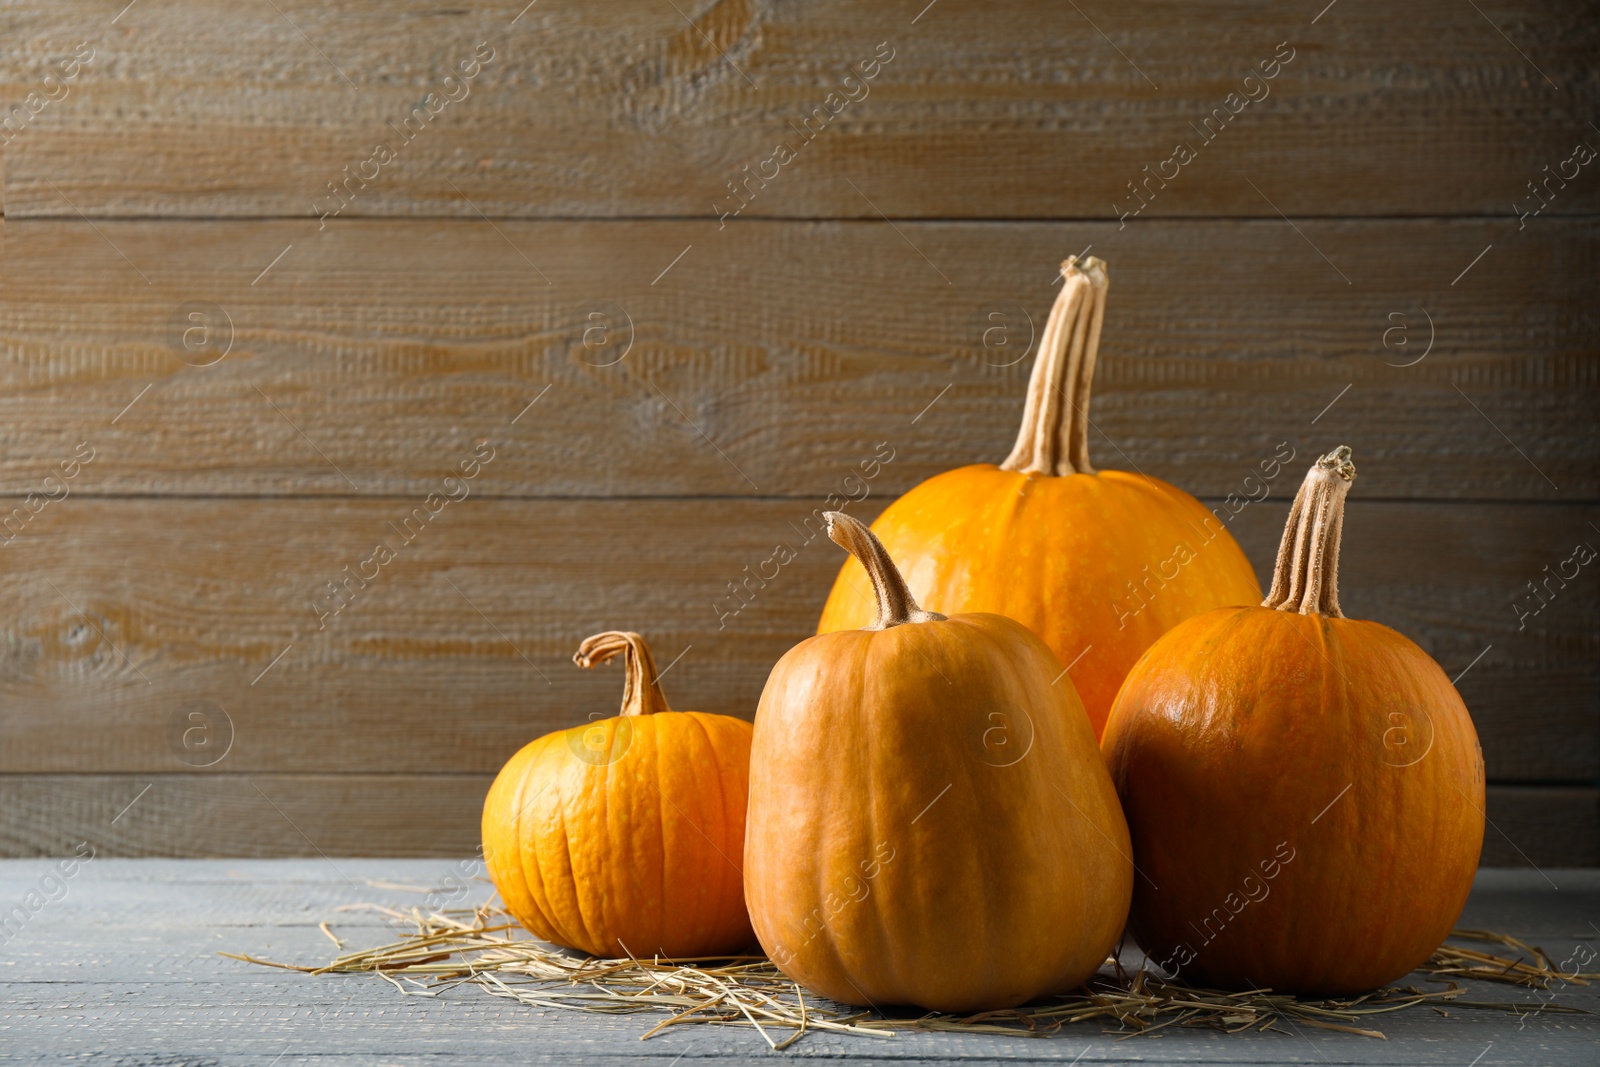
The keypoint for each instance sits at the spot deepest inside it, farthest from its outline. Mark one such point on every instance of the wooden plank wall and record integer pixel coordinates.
(251, 376)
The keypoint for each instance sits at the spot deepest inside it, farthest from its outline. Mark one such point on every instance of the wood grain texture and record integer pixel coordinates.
(1021, 109)
(125, 969)
(1533, 826)
(772, 357)
(438, 815)
(263, 392)
(124, 616)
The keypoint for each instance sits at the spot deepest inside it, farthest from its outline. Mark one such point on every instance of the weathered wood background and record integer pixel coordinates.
(129, 963)
(1357, 257)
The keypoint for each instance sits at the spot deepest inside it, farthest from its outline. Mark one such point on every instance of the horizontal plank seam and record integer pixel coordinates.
(170, 776)
(1546, 783)
(1564, 502)
(1538, 785)
(1577, 216)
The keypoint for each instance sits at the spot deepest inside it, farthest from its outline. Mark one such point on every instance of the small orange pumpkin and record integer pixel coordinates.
(1099, 565)
(930, 819)
(1305, 791)
(626, 835)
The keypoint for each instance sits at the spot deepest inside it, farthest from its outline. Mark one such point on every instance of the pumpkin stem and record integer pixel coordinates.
(1054, 438)
(1306, 578)
(896, 605)
(641, 693)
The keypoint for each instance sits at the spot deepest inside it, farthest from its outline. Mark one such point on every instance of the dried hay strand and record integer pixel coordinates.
(1532, 967)
(482, 947)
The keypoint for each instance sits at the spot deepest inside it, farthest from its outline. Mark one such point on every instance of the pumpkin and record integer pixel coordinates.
(1098, 564)
(931, 822)
(1305, 790)
(625, 836)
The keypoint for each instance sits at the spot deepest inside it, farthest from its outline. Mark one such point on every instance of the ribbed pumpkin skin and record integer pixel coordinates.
(1057, 554)
(1234, 737)
(643, 851)
(902, 849)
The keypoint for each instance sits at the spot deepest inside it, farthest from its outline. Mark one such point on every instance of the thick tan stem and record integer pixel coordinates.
(1054, 438)
(1306, 579)
(641, 694)
(896, 605)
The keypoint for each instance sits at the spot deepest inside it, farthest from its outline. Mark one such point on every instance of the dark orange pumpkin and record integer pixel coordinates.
(1305, 791)
(930, 819)
(626, 835)
(1099, 565)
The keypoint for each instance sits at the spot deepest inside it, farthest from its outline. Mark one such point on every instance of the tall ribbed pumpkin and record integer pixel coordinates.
(930, 819)
(626, 835)
(1098, 564)
(1305, 791)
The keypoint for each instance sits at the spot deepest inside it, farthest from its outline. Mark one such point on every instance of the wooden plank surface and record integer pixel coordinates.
(124, 969)
(772, 357)
(434, 814)
(1022, 109)
(124, 615)
(248, 394)
(1541, 826)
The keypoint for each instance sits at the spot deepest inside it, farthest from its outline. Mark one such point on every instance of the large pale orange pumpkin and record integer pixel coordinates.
(1305, 791)
(626, 835)
(931, 822)
(1098, 564)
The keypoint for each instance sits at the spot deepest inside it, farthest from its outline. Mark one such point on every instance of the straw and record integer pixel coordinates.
(483, 947)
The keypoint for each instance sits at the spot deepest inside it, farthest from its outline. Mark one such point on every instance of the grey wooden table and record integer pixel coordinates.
(122, 970)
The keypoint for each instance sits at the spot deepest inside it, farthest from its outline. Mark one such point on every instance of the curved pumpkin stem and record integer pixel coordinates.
(641, 693)
(896, 605)
(1306, 578)
(1054, 438)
